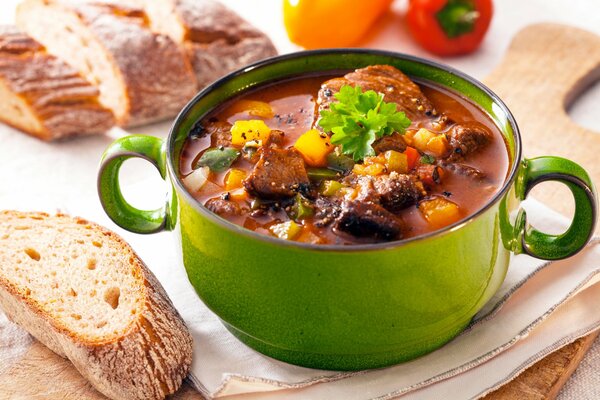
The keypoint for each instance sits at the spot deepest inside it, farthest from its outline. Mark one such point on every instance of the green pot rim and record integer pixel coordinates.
(335, 247)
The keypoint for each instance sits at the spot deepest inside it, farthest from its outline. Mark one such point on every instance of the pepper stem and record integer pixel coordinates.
(458, 17)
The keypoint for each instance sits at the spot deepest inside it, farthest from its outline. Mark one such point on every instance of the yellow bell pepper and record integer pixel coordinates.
(439, 212)
(396, 161)
(234, 178)
(370, 169)
(330, 23)
(314, 147)
(427, 141)
(246, 131)
(421, 138)
(438, 145)
(286, 230)
(254, 108)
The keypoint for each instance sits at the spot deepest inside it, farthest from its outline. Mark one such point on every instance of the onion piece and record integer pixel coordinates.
(194, 181)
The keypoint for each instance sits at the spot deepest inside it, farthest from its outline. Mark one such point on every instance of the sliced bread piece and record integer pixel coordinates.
(143, 76)
(83, 292)
(42, 95)
(217, 40)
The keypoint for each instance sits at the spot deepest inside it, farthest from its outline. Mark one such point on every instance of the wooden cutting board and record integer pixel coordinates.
(544, 69)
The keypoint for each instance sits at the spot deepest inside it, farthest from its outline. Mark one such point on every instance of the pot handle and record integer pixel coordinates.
(553, 247)
(149, 148)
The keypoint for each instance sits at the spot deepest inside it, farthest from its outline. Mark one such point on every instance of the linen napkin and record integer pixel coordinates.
(541, 307)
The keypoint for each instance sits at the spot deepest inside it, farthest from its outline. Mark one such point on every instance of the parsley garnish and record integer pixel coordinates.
(427, 159)
(357, 119)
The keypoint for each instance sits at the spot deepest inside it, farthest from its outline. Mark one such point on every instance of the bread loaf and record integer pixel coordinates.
(142, 76)
(83, 292)
(42, 95)
(216, 39)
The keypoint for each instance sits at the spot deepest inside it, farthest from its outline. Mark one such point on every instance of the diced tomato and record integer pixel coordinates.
(430, 174)
(412, 156)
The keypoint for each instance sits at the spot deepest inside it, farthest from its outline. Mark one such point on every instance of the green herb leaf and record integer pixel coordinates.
(357, 119)
(427, 159)
(218, 160)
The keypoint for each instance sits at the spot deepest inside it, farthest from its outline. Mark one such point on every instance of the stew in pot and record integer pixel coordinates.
(367, 157)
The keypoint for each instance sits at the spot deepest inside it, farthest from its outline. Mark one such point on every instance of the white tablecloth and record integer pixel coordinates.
(32, 177)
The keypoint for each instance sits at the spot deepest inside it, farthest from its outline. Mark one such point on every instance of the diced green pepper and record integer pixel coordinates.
(329, 188)
(318, 174)
(301, 208)
(286, 230)
(339, 162)
(218, 160)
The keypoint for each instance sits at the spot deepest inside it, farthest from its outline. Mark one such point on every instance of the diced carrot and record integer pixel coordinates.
(314, 146)
(430, 174)
(439, 212)
(412, 157)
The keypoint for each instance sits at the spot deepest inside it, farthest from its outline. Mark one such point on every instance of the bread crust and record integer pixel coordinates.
(217, 40)
(156, 74)
(61, 102)
(147, 361)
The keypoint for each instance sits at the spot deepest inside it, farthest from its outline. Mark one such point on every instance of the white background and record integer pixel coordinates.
(36, 175)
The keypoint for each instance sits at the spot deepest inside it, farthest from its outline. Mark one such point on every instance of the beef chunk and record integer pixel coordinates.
(395, 86)
(392, 142)
(327, 210)
(280, 173)
(394, 191)
(467, 138)
(219, 132)
(223, 207)
(463, 169)
(276, 139)
(367, 219)
(398, 191)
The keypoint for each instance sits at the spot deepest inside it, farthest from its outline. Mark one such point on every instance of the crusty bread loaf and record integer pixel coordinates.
(217, 40)
(83, 292)
(143, 76)
(43, 96)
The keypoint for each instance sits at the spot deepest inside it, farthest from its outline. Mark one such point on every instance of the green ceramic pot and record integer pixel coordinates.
(348, 307)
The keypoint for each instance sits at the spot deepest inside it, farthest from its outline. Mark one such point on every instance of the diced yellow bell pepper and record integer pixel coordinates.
(396, 161)
(245, 131)
(421, 138)
(371, 169)
(438, 145)
(286, 230)
(439, 212)
(253, 107)
(314, 147)
(309, 237)
(234, 178)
